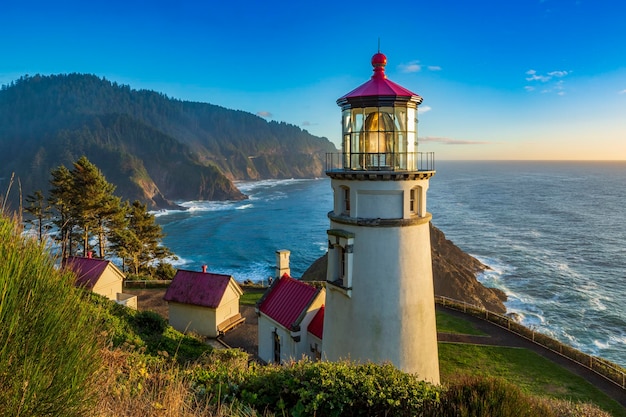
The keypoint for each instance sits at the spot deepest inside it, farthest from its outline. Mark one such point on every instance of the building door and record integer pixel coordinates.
(276, 347)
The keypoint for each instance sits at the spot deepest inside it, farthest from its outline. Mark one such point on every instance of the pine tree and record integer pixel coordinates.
(62, 200)
(94, 201)
(39, 209)
(140, 242)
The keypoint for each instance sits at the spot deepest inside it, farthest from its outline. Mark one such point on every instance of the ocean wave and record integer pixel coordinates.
(249, 186)
(199, 206)
(245, 206)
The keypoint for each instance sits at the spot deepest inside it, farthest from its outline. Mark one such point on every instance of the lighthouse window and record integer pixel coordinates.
(341, 252)
(345, 191)
(340, 256)
(415, 201)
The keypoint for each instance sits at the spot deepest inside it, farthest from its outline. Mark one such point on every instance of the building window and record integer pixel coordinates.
(412, 208)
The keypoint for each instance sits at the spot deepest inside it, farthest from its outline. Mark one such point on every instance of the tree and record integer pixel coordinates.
(62, 200)
(39, 209)
(94, 201)
(140, 242)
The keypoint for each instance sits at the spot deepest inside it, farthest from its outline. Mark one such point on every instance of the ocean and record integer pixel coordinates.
(553, 234)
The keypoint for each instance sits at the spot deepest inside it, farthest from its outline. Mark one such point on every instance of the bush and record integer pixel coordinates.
(149, 322)
(477, 397)
(49, 350)
(307, 388)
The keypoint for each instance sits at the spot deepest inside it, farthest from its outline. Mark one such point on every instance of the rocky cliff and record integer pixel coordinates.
(454, 274)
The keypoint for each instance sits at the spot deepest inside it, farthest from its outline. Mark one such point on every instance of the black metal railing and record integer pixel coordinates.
(387, 161)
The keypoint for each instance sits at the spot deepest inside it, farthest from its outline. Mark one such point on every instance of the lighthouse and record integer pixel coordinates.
(380, 298)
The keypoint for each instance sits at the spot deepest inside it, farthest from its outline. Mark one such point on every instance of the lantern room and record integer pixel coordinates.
(379, 125)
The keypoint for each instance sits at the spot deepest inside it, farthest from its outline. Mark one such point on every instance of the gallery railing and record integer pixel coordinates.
(380, 161)
(602, 367)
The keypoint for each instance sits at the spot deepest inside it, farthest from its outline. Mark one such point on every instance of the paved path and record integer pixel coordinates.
(497, 336)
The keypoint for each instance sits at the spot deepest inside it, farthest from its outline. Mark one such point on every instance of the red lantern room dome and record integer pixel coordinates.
(378, 88)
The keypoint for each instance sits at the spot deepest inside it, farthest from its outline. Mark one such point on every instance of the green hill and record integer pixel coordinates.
(153, 148)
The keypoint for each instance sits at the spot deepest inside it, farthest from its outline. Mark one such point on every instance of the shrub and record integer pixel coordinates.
(477, 397)
(307, 388)
(149, 322)
(49, 350)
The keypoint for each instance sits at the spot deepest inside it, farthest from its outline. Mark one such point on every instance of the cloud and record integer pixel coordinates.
(622, 92)
(535, 77)
(557, 73)
(450, 141)
(264, 113)
(555, 86)
(413, 66)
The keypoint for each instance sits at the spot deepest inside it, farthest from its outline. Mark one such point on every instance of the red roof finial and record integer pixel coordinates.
(379, 61)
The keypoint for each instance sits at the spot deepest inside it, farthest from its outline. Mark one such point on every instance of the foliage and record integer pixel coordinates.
(139, 242)
(39, 211)
(307, 388)
(476, 397)
(49, 349)
(145, 330)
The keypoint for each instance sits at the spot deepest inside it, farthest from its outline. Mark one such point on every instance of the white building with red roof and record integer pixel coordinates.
(204, 303)
(289, 324)
(101, 277)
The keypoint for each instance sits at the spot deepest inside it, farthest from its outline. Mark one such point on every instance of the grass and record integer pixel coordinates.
(447, 323)
(527, 370)
(251, 296)
(49, 341)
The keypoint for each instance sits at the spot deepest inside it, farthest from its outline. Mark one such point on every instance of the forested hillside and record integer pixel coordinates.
(153, 148)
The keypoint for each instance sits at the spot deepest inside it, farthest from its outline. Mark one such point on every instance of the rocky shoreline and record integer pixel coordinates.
(454, 274)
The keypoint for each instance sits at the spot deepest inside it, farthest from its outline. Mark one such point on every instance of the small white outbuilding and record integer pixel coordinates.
(203, 303)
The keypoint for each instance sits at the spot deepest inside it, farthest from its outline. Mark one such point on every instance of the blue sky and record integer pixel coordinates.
(508, 79)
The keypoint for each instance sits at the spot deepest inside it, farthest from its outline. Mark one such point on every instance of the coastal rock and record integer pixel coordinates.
(454, 274)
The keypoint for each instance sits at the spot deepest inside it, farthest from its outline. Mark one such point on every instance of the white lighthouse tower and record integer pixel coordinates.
(380, 299)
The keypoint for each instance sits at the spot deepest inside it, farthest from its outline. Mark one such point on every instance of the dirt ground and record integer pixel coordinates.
(150, 299)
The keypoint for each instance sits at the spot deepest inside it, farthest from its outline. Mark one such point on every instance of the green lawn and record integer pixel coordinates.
(251, 296)
(450, 324)
(529, 371)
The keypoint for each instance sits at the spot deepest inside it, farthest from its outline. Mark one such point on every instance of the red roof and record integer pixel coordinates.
(88, 270)
(379, 85)
(197, 288)
(316, 327)
(287, 300)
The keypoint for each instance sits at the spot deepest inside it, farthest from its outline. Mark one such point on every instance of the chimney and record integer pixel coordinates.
(282, 263)
(204, 269)
(89, 254)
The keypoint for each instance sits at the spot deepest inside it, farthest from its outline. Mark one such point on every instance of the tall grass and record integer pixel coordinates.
(49, 349)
